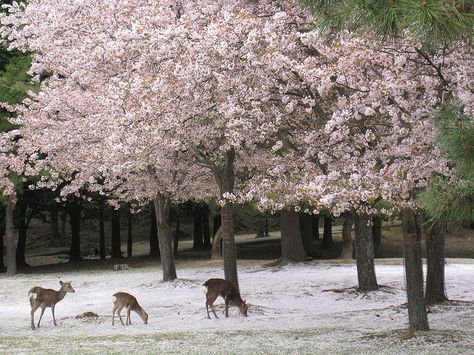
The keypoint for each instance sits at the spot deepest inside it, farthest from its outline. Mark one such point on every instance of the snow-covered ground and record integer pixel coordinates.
(294, 309)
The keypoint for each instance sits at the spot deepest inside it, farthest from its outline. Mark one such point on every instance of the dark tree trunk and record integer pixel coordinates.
(347, 245)
(102, 251)
(129, 236)
(327, 234)
(10, 240)
(116, 246)
(206, 230)
(226, 179)
(292, 249)
(54, 224)
(154, 245)
(63, 234)
(306, 228)
(377, 234)
(165, 239)
(364, 250)
(21, 209)
(74, 211)
(198, 241)
(3, 268)
(418, 319)
(315, 228)
(435, 286)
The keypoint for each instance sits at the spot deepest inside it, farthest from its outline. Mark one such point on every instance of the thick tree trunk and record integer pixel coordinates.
(102, 251)
(206, 230)
(418, 319)
(226, 180)
(74, 211)
(154, 245)
(116, 246)
(129, 236)
(21, 209)
(165, 240)
(198, 240)
(3, 268)
(292, 249)
(364, 250)
(435, 286)
(347, 245)
(306, 228)
(10, 240)
(315, 222)
(63, 234)
(327, 234)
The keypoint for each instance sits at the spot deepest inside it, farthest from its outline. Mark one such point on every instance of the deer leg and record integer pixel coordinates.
(120, 316)
(41, 316)
(128, 321)
(113, 315)
(210, 302)
(54, 318)
(226, 300)
(33, 310)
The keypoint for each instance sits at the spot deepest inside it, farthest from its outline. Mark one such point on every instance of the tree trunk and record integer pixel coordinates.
(54, 224)
(101, 231)
(20, 210)
(74, 211)
(306, 228)
(154, 245)
(129, 235)
(327, 235)
(226, 183)
(347, 245)
(10, 240)
(206, 230)
(315, 228)
(3, 268)
(292, 249)
(216, 249)
(364, 250)
(116, 252)
(418, 319)
(435, 286)
(198, 241)
(165, 240)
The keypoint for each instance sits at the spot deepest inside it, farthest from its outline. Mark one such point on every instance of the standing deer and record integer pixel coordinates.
(220, 287)
(123, 299)
(46, 297)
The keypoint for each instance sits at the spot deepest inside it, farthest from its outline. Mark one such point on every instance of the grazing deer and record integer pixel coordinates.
(123, 299)
(220, 287)
(46, 297)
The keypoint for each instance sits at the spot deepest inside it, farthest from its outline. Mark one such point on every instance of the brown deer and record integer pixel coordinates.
(123, 299)
(46, 297)
(220, 287)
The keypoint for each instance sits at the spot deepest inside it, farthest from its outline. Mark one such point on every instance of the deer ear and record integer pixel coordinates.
(61, 283)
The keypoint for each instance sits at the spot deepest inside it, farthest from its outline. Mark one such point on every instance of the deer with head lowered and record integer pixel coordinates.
(123, 299)
(46, 297)
(227, 290)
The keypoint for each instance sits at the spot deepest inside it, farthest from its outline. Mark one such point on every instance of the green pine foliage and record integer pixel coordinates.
(453, 199)
(433, 22)
(14, 83)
